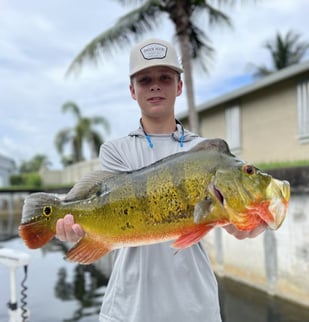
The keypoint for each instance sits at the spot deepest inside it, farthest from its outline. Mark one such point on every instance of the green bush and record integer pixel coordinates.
(16, 180)
(32, 179)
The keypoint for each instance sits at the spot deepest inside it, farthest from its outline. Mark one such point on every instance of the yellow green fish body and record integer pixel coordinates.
(178, 198)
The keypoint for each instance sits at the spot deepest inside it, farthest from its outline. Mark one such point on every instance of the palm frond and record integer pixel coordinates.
(202, 51)
(72, 107)
(129, 2)
(95, 140)
(133, 24)
(100, 120)
(284, 51)
(62, 138)
(215, 16)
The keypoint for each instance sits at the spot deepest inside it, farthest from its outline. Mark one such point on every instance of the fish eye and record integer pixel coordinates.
(249, 169)
(47, 211)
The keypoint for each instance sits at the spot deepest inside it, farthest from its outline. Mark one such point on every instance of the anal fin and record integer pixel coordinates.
(87, 251)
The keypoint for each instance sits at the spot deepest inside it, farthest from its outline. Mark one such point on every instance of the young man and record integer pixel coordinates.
(152, 283)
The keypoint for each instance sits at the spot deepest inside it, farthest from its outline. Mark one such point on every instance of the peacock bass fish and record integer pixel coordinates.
(180, 198)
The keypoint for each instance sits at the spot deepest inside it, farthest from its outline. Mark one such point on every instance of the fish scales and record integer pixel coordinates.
(150, 200)
(166, 194)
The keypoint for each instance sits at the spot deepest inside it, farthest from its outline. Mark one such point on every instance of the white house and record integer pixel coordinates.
(7, 168)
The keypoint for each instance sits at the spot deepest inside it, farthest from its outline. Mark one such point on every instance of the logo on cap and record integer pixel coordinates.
(154, 51)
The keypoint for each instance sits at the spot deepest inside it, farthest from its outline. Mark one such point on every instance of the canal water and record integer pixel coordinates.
(58, 291)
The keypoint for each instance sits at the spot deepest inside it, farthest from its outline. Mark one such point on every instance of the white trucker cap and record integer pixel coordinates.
(153, 52)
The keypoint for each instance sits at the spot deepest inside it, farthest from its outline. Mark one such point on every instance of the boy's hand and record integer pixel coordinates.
(241, 234)
(67, 230)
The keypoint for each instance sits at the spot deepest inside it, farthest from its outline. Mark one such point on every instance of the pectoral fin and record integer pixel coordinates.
(201, 210)
(87, 251)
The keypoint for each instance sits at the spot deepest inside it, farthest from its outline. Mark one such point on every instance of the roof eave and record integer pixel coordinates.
(261, 83)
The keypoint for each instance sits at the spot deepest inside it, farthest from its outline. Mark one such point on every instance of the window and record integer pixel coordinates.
(232, 121)
(303, 110)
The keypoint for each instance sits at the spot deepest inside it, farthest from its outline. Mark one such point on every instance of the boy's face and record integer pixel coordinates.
(155, 89)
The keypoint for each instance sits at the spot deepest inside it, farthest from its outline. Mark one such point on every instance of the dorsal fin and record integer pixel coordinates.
(212, 144)
(88, 185)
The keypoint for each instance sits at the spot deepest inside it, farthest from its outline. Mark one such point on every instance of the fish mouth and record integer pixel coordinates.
(285, 189)
(278, 205)
(271, 210)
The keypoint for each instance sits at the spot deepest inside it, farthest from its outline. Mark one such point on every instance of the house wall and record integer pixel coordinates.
(213, 123)
(269, 125)
(269, 129)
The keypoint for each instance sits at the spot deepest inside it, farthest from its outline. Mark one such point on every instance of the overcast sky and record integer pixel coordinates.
(39, 40)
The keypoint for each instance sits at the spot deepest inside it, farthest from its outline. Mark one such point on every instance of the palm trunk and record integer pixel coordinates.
(180, 13)
(185, 48)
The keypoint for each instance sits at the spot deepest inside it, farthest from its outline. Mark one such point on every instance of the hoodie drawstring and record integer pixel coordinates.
(149, 140)
(181, 139)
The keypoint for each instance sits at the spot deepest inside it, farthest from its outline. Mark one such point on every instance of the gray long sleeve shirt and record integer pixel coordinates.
(152, 283)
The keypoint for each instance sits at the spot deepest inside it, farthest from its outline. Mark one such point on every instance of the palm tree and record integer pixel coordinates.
(284, 50)
(35, 164)
(194, 43)
(83, 131)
